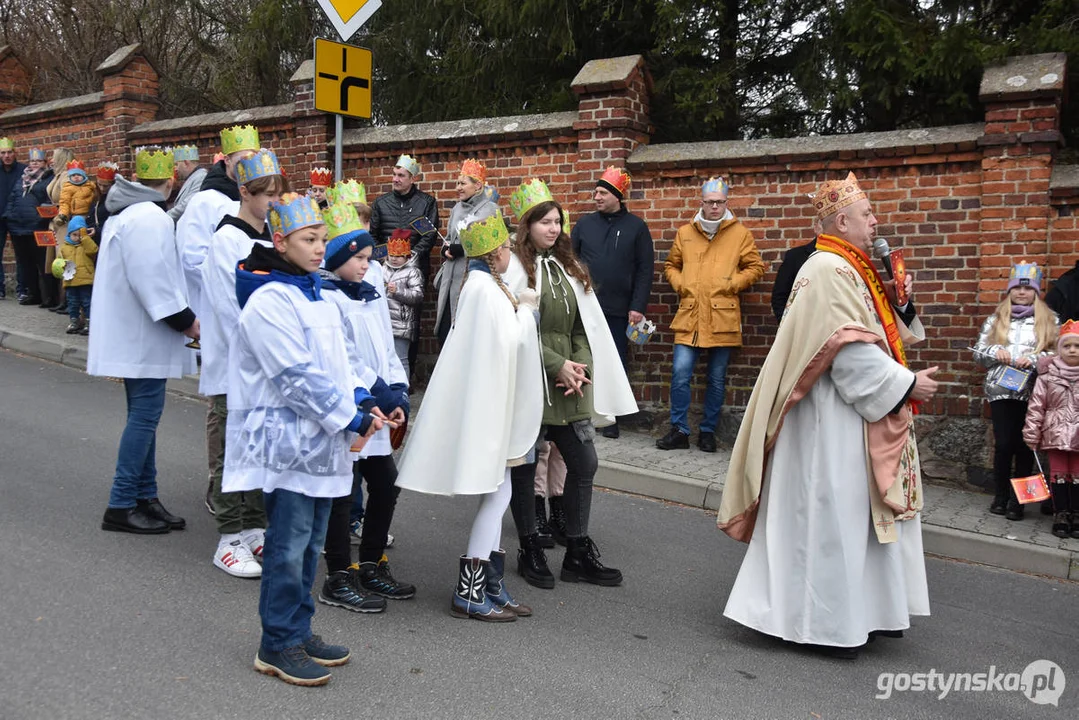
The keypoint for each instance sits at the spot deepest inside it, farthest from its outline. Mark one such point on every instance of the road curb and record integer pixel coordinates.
(704, 494)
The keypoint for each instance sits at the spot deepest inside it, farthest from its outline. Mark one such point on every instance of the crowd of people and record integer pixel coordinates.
(305, 307)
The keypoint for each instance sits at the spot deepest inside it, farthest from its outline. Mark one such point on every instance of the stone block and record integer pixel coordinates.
(606, 74)
(1024, 77)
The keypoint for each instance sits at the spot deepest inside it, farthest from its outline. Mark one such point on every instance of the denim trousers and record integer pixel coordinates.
(136, 471)
(289, 560)
(78, 298)
(685, 360)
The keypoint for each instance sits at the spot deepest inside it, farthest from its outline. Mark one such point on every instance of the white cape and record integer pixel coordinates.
(815, 571)
(484, 404)
(612, 395)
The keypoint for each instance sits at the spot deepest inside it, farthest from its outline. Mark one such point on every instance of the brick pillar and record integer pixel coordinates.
(612, 121)
(14, 80)
(1022, 100)
(313, 129)
(130, 87)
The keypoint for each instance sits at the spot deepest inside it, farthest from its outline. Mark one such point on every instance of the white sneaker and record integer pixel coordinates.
(254, 539)
(236, 559)
(355, 534)
(389, 540)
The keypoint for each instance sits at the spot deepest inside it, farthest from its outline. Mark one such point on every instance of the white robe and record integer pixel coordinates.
(193, 232)
(484, 404)
(220, 310)
(815, 571)
(139, 283)
(299, 442)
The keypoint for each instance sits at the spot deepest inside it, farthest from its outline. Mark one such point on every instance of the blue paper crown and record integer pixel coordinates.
(293, 213)
(261, 164)
(185, 152)
(1031, 273)
(715, 184)
(37, 154)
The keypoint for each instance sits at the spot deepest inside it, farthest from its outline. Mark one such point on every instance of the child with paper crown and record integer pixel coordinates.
(1052, 424)
(480, 416)
(1012, 339)
(241, 516)
(354, 284)
(404, 291)
(78, 251)
(295, 406)
(79, 193)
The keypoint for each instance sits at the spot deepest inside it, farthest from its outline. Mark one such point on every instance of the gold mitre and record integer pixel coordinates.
(834, 195)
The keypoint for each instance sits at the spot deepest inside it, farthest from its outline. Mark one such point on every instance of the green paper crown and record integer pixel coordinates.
(347, 191)
(239, 137)
(154, 164)
(6, 144)
(483, 236)
(528, 195)
(341, 219)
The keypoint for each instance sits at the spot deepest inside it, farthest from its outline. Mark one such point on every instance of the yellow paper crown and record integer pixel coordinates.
(347, 191)
(835, 195)
(154, 163)
(6, 144)
(528, 195)
(483, 236)
(261, 164)
(239, 137)
(341, 219)
(293, 213)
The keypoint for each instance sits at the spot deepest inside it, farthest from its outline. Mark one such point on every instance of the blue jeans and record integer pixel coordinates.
(294, 540)
(78, 297)
(136, 471)
(685, 360)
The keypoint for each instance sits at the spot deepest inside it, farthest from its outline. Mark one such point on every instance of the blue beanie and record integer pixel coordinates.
(77, 223)
(343, 247)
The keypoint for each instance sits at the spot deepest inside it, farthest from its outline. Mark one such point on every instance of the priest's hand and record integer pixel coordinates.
(194, 331)
(925, 387)
(908, 285)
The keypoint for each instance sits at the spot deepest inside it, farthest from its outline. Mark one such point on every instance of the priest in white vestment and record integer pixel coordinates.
(824, 481)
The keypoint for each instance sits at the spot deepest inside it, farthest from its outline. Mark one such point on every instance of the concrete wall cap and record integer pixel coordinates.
(1026, 76)
(216, 121)
(601, 74)
(304, 73)
(1065, 176)
(58, 107)
(459, 129)
(119, 59)
(705, 153)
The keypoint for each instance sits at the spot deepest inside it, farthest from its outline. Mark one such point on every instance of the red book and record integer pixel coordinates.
(899, 271)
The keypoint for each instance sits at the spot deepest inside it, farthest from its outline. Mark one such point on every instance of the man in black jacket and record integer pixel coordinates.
(398, 209)
(617, 248)
(10, 173)
(793, 260)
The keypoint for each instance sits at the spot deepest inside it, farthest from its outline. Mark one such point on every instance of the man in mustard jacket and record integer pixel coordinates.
(713, 260)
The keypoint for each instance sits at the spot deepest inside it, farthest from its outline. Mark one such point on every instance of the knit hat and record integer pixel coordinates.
(1025, 275)
(77, 223)
(342, 248)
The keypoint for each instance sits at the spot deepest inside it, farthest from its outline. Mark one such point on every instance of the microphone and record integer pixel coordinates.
(882, 252)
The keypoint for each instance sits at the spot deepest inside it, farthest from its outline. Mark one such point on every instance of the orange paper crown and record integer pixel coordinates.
(400, 243)
(76, 165)
(1069, 328)
(616, 179)
(107, 171)
(321, 177)
(835, 195)
(475, 170)
(218, 157)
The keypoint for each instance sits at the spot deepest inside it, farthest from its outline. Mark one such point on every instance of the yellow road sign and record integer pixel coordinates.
(342, 79)
(348, 16)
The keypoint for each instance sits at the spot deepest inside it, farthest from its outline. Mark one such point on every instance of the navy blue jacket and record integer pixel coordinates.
(21, 211)
(9, 177)
(618, 252)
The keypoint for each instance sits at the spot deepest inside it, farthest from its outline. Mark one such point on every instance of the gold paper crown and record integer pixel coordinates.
(293, 213)
(483, 236)
(239, 137)
(261, 164)
(400, 246)
(474, 169)
(6, 143)
(528, 195)
(154, 164)
(835, 195)
(347, 191)
(321, 177)
(341, 219)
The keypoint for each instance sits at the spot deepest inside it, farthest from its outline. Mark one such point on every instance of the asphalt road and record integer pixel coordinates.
(106, 625)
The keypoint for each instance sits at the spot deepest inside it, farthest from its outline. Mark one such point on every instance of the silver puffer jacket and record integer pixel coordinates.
(408, 296)
(1021, 343)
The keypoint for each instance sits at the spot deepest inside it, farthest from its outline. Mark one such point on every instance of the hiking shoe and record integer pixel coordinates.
(706, 441)
(236, 559)
(73, 327)
(340, 591)
(355, 531)
(254, 539)
(210, 499)
(293, 665)
(326, 655)
(376, 578)
(674, 440)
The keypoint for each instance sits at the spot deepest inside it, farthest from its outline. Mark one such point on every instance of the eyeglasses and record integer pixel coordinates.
(714, 203)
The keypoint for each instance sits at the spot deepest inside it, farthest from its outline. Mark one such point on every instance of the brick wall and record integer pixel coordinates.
(963, 202)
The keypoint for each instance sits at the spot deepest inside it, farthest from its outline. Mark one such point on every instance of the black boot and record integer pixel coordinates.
(132, 520)
(470, 596)
(582, 563)
(558, 520)
(611, 431)
(543, 530)
(155, 509)
(674, 440)
(532, 563)
(1015, 510)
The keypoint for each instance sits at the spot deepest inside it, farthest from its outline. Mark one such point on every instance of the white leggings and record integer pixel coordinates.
(486, 535)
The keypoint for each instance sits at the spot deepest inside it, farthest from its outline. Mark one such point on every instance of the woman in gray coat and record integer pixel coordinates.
(473, 204)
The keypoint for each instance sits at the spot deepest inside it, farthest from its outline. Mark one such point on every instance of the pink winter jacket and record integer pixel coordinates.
(1053, 413)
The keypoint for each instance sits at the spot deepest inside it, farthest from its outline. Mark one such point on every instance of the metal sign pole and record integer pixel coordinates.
(337, 147)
